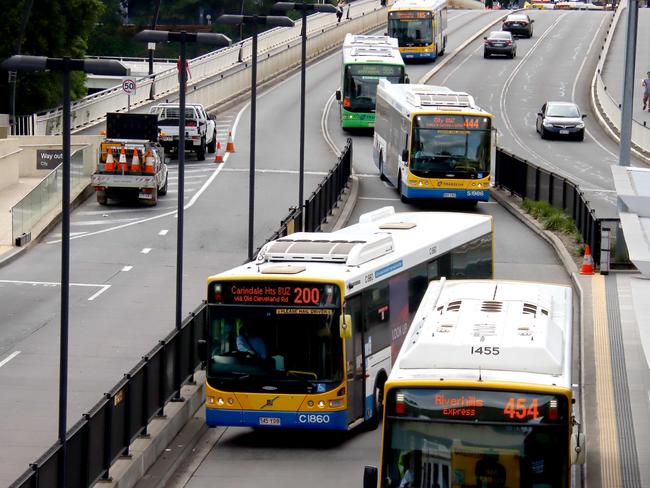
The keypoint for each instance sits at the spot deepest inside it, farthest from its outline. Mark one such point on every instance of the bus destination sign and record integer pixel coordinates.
(274, 293)
(452, 122)
(409, 15)
(480, 405)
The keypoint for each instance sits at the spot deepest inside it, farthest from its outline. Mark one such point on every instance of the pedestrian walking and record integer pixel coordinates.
(646, 92)
(339, 9)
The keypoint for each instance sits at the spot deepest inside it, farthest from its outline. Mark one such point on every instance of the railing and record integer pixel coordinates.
(23, 125)
(107, 430)
(527, 180)
(47, 195)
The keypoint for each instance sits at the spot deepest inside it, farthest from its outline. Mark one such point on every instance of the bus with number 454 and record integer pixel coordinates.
(366, 60)
(305, 335)
(420, 27)
(433, 142)
(481, 393)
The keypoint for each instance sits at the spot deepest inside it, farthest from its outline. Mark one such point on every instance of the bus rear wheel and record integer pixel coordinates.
(382, 176)
(378, 407)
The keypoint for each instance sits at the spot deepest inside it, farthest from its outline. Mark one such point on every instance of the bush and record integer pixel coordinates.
(550, 217)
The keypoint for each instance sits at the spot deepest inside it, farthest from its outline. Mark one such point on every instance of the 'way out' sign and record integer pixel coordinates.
(48, 158)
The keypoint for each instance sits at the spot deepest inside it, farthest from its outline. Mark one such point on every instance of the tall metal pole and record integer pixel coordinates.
(303, 69)
(251, 181)
(65, 276)
(626, 109)
(182, 73)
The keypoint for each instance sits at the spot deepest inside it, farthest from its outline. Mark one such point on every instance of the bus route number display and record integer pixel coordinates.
(300, 294)
(409, 15)
(453, 122)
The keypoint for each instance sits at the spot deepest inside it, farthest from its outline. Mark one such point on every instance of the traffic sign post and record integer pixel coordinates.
(129, 86)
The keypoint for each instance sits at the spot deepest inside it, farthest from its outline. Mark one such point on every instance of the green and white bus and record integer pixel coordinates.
(366, 60)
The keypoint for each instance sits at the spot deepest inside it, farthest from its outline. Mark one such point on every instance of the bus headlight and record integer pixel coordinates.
(220, 401)
(321, 404)
(336, 403)
(231, 401)
(310, 403)
(211, 400)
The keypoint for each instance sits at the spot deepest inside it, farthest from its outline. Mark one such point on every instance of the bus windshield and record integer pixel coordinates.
(450, 146)
(411, 28)
(452, 438)
(285, 350)
(360, 84)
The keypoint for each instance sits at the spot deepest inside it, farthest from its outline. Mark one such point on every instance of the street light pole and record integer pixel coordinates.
(304, 8)
(65, 65)
(255, 21)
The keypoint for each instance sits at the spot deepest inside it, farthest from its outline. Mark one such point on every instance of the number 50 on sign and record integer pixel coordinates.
(128, 85)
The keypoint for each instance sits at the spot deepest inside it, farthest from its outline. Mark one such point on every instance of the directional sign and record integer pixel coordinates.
(128, 85)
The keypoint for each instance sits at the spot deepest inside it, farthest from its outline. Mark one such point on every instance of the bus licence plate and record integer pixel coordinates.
(448, 195)
(564, 131)
(269, 421)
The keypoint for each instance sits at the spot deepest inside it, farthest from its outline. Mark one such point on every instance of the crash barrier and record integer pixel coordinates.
(527, 180)
(220, 75)
(322, 201)
(105, 433)
(603, 101)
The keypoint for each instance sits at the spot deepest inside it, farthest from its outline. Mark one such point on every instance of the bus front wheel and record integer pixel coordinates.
(402, 197)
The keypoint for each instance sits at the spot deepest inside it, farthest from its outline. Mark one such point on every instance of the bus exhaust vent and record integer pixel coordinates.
(532, 309)
(491, 306)
(454, 306)
(314, 247)
(423, 99)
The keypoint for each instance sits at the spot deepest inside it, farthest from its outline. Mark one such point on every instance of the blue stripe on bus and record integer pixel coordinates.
(288, 420)
(389, 268)
(419, 55)
(446, 193)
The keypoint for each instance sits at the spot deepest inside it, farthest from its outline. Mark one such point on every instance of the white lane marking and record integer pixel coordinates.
(278, 171)
(54, 283)
(381, 199)
(325, 129)
(146, 250)
(163, 232)
(9, 358)
(197, 177)
(127, 268)
(367, 175)
(97, 222)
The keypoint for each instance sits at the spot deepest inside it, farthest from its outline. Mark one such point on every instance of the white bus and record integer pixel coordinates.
(366, 60)
(481, 393)
(432, 142)
(420, 27)
(304, 337)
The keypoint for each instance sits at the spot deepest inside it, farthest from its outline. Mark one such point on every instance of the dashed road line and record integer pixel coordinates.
(146, 250)
(9, 358)
(103, 288)
(163, 232)
(127, 268)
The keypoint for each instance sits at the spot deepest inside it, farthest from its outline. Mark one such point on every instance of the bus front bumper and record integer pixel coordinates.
(419, 55)
(277, 419)
(448, 193)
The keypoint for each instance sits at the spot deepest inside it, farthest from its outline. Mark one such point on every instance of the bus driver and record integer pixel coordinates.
(250, 342)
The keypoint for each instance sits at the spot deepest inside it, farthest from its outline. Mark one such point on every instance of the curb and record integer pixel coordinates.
(348, 206)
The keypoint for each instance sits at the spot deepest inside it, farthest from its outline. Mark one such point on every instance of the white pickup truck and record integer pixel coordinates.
(200, 128)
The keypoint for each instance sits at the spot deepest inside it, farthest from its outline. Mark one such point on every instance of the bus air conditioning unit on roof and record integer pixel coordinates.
(423, 99)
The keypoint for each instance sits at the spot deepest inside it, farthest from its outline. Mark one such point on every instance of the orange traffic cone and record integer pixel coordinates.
(149, 162)
(109, 165)
(230, 145)
(218, 157)
(122, 165)
(135, 161)
(587, 267)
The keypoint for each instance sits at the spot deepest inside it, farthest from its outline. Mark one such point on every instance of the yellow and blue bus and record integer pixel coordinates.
(305, 335)
(366, 60)
(420, 27)
(481, 392)
(432, 142)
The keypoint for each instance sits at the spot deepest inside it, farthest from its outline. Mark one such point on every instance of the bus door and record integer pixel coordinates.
(354, 361)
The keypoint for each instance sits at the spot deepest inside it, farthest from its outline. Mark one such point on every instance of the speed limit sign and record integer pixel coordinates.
(128, 85)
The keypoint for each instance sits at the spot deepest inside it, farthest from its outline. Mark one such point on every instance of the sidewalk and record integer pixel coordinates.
(9, 197)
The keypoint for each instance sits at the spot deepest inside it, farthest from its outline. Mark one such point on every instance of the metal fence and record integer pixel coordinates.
(527, 180)
(106, 431)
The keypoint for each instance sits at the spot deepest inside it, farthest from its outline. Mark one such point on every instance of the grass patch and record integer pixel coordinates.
(551, 218)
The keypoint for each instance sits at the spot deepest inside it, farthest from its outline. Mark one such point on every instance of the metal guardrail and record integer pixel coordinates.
(527, 180)
(107, 430)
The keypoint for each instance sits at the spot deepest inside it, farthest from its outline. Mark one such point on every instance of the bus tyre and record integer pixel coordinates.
(382, 177)
(377, 408)
(402, 197)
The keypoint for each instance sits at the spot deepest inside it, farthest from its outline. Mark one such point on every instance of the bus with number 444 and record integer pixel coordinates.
(305, 336)
(433, 142)
(481, 393)
(366, 60)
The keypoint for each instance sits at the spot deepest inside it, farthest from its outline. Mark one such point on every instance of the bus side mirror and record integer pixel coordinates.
(202, 347)
(405, 155)
(370, 477)
(345, 326)
(338, 95)
(577, 448)
(407, 80)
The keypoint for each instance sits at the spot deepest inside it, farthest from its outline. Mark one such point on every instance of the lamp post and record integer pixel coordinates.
(304, 8)
(253, 20)
(183, 37)
(66, 65)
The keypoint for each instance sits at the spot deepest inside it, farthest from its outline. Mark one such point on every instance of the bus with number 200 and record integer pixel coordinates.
(420, 27)
(432, 142)
(366, 60)
(305, 335)
(481, 393)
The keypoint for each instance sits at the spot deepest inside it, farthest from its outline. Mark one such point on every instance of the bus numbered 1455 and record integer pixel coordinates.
(366, 60)
(305, 335)
(420, 27)
(481, 392)
(432, 142)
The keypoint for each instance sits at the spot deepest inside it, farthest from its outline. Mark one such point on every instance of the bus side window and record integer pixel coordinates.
(418, 282)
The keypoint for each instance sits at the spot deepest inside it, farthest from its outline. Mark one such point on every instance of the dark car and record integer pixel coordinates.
(499, 42)
(561, 119)
(518, 25)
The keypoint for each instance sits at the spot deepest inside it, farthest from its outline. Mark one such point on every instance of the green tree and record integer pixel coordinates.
(55, 28)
